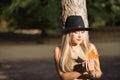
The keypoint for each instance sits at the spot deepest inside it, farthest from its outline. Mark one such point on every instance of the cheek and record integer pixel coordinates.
(74, 37)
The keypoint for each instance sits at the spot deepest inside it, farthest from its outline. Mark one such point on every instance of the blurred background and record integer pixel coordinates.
(29, 34)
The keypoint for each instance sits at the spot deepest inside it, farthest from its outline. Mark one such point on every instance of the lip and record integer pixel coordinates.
(79, 39)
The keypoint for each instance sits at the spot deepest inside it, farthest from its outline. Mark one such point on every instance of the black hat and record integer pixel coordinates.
(74, 23)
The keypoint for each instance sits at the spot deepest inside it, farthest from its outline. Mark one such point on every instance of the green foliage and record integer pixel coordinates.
(40, 14)
(44, 14)
(102, 12)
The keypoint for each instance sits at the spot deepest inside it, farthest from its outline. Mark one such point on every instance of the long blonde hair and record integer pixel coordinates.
(66, 60)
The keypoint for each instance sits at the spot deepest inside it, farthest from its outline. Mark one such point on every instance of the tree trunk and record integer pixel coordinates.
(73, 7)
(3, 25)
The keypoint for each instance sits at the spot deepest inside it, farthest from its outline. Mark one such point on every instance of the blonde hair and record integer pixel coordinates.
(66, 60)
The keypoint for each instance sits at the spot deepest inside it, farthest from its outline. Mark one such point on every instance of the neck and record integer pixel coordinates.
(74, 46)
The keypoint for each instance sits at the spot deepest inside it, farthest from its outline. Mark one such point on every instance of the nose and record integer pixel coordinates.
(79, 35)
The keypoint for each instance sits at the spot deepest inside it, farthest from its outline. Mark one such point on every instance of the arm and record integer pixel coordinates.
(64, 75)
(97, 70)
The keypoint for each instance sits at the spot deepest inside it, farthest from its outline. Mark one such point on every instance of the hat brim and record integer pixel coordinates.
(74, 29)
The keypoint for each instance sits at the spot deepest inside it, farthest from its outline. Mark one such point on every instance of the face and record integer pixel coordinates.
(76, 37)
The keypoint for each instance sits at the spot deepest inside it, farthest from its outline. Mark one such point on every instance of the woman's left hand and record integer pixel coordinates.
(90, 66)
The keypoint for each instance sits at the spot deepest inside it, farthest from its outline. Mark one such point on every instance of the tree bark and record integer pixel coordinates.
(73, 7)
(3, 25)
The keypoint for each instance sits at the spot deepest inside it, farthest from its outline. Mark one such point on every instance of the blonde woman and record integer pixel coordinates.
(76, 58)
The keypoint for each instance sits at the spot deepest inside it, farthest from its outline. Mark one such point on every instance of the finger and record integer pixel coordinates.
(83, 64)
(89, 65)
(86, 64)
(92, 64)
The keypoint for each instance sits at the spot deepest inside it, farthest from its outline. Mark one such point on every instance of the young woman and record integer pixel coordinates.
(76, 58)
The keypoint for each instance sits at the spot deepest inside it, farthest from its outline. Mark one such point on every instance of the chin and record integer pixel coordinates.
(78, 42)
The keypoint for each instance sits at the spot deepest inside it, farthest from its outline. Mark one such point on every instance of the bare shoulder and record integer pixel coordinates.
(93, 47)
(57, 49)
(57, 52)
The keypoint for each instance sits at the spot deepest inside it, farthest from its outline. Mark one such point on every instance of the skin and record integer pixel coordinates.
(76, 39)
